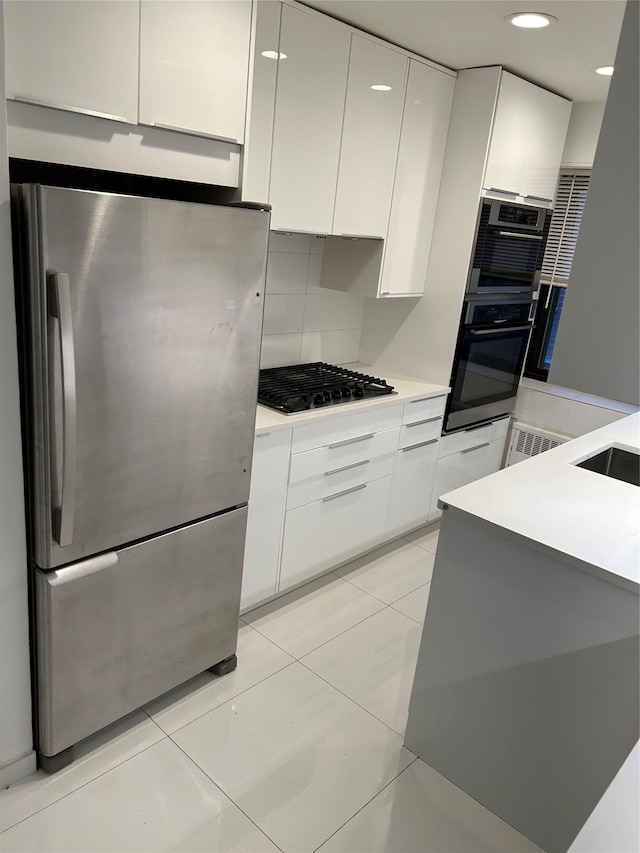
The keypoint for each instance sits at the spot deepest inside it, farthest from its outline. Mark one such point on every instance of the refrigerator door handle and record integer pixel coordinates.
(60, 307)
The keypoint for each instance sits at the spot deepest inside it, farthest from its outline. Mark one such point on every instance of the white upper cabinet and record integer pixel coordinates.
(370, 136)
(310, 98)
(194, 61)
(79, 57)
(417, 181)
(527, 139)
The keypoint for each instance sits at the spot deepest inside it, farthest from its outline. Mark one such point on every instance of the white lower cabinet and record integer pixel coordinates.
(467, 456)
(327, 532)
(412, 486)
(267, 498)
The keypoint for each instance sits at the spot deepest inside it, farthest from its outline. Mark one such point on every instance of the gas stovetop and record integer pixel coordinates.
(299, 387)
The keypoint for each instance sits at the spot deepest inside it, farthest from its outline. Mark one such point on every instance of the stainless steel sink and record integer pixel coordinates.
(614, 462)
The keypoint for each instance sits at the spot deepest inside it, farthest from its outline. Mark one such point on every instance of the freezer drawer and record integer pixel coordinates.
(119, 629)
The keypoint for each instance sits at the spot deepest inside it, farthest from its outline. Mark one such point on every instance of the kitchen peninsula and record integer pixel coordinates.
(526, 687)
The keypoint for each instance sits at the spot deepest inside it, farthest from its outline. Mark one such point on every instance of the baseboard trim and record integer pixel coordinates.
(18, 769)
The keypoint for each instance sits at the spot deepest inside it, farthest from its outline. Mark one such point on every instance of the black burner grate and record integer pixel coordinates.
(299, 387)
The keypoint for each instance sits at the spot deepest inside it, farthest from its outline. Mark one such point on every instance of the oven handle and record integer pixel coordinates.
(501, 329)
(522, 236)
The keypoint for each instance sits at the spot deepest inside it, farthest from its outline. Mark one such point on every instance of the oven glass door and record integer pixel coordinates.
(506, 262)
(487, 367)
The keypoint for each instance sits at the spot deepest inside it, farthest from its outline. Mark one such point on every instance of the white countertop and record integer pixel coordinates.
(590, 519)
(268, 420)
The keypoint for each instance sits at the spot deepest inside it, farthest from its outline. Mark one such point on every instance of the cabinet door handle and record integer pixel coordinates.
(351, 440)
(347, 467)
(301, 231)
(346, 492)
(263, 434)
(55, 105)
(477, 447)
(422, 444)
(425, 421)
(424, 399)
(539, 198)
(504, 192)
(188, 132)
(361, 237)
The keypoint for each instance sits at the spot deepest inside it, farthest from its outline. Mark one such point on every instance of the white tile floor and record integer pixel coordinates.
(300, 749)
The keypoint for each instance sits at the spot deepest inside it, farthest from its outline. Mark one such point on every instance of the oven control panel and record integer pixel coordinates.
(489, 312)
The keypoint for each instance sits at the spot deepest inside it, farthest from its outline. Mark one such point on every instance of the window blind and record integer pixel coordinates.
(565, 225)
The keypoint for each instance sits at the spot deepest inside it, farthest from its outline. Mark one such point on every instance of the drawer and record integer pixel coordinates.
(320, 535)
(420, 431)
(423, 408)
(341, 453)
(468, 438)
(338, 480)
(344, 427)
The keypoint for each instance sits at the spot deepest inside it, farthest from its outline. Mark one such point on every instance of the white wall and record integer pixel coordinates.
(302, 321)
(598, 345)
(16, 755)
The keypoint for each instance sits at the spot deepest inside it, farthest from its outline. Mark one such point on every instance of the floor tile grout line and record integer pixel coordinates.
(228, 796)
(165, 736)
(387, 603)
(350, 698)
(384, 788)
(315, 649)
(231, 698)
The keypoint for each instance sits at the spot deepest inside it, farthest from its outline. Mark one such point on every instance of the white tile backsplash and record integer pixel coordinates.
(302, 321)
(278, 350)
(287, 272)
(339, 346)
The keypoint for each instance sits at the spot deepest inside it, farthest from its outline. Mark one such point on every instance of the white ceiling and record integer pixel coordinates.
(468, 33)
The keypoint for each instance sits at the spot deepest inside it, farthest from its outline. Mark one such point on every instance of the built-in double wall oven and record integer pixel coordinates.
(496, 320)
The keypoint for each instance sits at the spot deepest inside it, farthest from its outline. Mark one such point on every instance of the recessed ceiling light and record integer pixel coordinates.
(381, 87)
(531, 20)
(604, 70)
(273, 54)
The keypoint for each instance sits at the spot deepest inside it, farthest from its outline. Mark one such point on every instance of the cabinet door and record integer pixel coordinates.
(194, 61)
(546, 146)
(464, 467)
(266, 514)
(370, 136)
(527, 139)
(81, 57)
(310, 96)
(417, 182)
(321, 535)
(412, 487)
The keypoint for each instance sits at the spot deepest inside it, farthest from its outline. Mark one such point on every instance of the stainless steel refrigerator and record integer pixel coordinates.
(141, 340)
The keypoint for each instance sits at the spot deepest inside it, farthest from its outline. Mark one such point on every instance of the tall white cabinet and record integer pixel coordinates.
(78, 57)
(370, 137)
(527, 139)
(310, 96)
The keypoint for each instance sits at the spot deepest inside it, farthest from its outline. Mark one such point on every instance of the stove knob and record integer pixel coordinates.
(336, 394)
(346, 393)
(327, 396)
(318, 400)
(358, 391)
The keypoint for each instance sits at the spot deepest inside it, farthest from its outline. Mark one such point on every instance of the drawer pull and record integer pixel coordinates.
(424, 399)
(422, 444)
(346, 492)
(263, 434)
(347, 467)
(352, 440)
(55, 105)
(477, 447)
(425, 421)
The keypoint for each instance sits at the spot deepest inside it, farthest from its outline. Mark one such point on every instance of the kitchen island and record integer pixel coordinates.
(526, 687)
